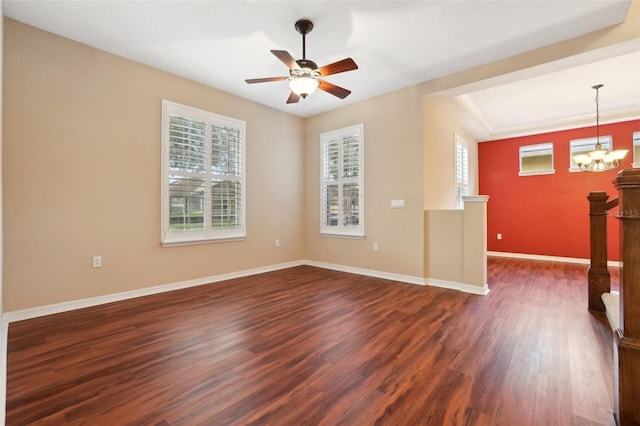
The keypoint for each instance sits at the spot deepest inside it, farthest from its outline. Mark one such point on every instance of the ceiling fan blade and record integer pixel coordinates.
(293, 98)
(286, 58)
(338, 91)
(337, 67)
(265, 80)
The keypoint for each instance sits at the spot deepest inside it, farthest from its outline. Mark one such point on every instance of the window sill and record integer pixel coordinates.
(536, 173)
(349, 236)
(172, 243)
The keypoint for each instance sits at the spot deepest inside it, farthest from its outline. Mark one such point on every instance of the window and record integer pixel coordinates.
(636, 149)
(203, 179)
(536, 159)
(462, 171)
(341, 182)
(584, 146)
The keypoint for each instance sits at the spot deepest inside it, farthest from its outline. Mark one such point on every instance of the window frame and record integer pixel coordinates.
(606, 142)
(533, 148)
(340, 229)
(635, 144)
(462, 187)
(209, 234)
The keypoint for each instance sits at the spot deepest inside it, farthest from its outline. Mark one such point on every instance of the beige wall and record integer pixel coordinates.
(392, 170)
(82, 175)
(3, 336)
(443, 245)
(440, 128)
(475, 240)
(455, 246)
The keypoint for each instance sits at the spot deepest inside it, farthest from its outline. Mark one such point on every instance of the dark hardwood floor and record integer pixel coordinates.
(319, 347)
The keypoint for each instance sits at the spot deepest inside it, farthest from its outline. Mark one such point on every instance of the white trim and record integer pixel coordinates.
(201, 241)
(453, 285)
(546, 172)
(351, 236)
(368, 272)
(461, 186)
(635, 144)
(116, 297)
(475, 198)
(582, 261)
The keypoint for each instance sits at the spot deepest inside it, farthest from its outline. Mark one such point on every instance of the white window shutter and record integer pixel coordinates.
(203, 176)
(341, 190)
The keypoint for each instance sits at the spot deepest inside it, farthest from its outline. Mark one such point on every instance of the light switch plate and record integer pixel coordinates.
(397, 204)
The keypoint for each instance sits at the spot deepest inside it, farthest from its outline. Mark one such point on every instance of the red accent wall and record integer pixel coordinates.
(547, 214)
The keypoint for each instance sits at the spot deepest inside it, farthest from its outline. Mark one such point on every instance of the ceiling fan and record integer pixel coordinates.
(304, 75)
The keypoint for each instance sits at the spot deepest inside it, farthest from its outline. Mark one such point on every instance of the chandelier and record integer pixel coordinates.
(599, 160)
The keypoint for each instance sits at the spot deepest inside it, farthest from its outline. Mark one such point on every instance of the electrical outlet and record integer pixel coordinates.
(97, 261)
(499, 236)
(375, 247)
(277, 243)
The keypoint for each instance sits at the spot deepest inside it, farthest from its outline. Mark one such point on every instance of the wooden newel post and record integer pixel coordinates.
(627, 338)
(599, 277)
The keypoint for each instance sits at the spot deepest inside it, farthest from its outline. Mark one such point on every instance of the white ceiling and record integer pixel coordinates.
(395, 43)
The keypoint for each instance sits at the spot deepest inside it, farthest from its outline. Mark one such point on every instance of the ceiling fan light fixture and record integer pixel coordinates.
(304, 85)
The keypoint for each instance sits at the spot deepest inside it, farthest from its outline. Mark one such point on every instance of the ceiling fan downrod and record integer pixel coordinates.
(304, 27)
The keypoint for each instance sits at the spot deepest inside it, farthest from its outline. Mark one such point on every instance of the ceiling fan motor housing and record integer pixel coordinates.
(305, 63)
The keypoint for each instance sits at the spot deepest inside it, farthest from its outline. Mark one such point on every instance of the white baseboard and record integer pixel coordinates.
(367, 272)
(582, 261)
(3, 368)
(56, 308)
(466, 288)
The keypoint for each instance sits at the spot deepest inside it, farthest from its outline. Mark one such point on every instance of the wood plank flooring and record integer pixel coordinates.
(308, 346)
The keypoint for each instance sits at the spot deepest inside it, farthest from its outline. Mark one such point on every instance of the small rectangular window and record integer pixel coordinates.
(636, 149)
(341, 182)
(536, 159)
(584, 146)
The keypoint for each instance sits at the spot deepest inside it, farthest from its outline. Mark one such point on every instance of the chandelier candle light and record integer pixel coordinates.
(599, 160)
